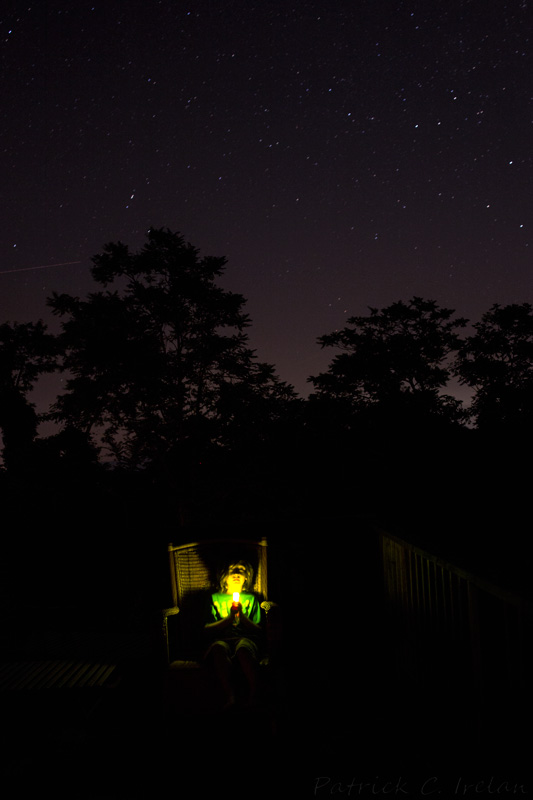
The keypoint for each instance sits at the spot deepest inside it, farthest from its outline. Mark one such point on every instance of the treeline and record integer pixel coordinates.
(162, 389)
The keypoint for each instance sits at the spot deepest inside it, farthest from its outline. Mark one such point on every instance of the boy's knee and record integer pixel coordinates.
(220, 651)
(246, 654)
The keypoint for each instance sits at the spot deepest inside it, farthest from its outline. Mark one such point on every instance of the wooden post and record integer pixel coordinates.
(172, 566)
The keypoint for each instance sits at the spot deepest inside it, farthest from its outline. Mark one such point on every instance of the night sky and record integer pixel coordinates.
(340, 154)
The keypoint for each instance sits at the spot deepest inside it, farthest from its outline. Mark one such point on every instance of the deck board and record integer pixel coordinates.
(43, 675)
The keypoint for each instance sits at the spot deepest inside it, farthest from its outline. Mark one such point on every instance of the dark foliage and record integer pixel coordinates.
(397, 357)
(26, 352)
(161, 371)
(497, 362)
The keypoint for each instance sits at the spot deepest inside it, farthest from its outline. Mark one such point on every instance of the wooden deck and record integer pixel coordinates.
(39, 675)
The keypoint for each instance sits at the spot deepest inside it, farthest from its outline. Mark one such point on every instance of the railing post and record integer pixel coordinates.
(172, 566)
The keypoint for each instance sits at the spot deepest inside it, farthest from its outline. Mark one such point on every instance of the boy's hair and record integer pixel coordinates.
(248, 584)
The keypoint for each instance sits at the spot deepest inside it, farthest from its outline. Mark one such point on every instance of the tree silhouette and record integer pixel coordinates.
(26, 351)
(497, 362)
(397, 357)
(160, 366)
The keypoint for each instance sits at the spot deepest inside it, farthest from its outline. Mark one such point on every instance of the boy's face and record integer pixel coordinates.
(236, 578)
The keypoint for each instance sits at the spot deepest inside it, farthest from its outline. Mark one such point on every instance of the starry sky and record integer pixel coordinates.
(341, 154)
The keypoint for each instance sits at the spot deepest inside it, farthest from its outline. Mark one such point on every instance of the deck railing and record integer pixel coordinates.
(458, 635)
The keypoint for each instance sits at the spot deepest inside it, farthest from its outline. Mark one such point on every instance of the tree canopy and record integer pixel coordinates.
(26, 352)
(160, 377)
(497, 362)
(161, 362)
(396, 356)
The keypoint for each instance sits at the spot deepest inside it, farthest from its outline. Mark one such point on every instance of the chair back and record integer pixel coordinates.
(195, 566)
(194, 572)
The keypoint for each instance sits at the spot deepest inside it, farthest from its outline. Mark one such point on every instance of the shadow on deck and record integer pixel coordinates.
(343, 712)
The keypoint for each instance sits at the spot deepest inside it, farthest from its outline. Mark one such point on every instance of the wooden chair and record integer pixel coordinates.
(194, 569)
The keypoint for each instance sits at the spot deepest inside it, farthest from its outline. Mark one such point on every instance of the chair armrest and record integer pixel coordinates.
(267, 605)
(169, 612)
